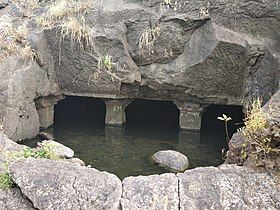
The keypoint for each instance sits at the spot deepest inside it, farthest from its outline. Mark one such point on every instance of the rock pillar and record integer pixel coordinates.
(115, 111)
(45, 109)
(190, 116)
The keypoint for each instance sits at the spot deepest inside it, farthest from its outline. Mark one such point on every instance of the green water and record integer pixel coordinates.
(125, 151)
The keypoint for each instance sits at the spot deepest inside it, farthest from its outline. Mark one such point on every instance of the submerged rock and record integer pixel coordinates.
(171, 160)
(59, 149)
(150, 192)
(59, 185)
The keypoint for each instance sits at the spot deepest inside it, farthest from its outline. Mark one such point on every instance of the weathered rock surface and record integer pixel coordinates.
(172, 160)
(150, 192)
(59, 185)
(206, 52)
(228, 187)
(59, 149)
(13, 199)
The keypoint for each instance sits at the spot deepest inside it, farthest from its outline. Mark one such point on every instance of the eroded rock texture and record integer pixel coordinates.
(228, 187)
(59, 185)
(203, 52)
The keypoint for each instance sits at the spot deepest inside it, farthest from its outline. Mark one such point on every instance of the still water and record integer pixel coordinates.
(126, 152)
(151, 127)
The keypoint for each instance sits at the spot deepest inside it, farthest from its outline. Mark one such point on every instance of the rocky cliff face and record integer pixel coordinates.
(202, 52)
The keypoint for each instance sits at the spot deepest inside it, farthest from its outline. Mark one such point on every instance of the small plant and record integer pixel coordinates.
(5, 180)
(44, 150)
(226, 119)
(106, 62)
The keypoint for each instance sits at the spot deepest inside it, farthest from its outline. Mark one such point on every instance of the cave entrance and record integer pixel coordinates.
(156, 119)
(213, 129)
(79, 111)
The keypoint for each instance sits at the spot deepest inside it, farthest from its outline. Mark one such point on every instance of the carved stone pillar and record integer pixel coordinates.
(190, 115)
(115, 111)
(45, 109)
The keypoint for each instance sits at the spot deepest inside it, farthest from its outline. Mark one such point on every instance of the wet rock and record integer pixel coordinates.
(59, 149)
(13, 199)
(45, 136)
(171, 160)
(150, 192)
(228, 187)
(59, 185)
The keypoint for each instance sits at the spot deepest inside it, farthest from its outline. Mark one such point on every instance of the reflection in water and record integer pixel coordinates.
(124, 152)
(151, 126)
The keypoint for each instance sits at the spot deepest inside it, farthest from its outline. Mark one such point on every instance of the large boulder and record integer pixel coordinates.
(58, 185)
(228, 187)
(13, 199)
(150, 192)
(171, 160)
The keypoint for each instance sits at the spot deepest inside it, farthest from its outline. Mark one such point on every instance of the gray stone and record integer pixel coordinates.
(190, 116)
(115, 112)
(9, 145)
(13, 199)
(150, 192)
(228, 187)
(59, 149)
(75, 161)
(59, 185)
(171, 160)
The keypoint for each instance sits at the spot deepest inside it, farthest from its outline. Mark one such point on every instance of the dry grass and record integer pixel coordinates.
(14, 40)
(69, 17)
(147, 40)
(262, 144)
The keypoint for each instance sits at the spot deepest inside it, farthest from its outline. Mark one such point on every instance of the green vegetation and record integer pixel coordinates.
(5, 180)
(44, 150)
(106, 62)
(226, 119)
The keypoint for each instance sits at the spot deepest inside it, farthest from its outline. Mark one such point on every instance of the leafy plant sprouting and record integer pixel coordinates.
(226, 119)
(106, 62)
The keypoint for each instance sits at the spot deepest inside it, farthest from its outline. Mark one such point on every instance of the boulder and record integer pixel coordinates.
(150, 192)
(59, 185)
(13, 199)
(228, 187)
(75, 161)
(171, 160)
(59, 149)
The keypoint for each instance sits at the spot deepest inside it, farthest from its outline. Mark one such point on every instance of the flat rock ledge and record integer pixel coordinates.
(59, 185)
(171, 160)
(51, 184)
(150, 192)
